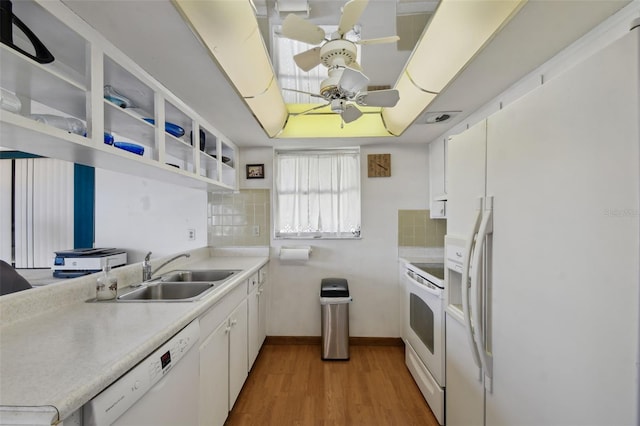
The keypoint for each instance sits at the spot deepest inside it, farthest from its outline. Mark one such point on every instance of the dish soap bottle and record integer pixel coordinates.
(106, 285)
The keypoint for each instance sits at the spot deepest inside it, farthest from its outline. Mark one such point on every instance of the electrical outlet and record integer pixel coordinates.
(256, 230)
(191, 234)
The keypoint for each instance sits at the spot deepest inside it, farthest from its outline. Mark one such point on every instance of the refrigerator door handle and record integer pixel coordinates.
(476, 279)
(466, 263)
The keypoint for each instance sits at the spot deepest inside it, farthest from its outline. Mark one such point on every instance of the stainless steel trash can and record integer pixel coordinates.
(334, 301)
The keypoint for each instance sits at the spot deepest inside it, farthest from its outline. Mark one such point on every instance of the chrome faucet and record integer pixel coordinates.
(146, 268)
(147, 273)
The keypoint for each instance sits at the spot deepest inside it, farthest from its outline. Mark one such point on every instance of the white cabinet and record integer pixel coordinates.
(257, 301)
(238, 352)
(437, 180)
(72, 86)
(223, 356)
(214, 375)
(262, 306)
(254, 319)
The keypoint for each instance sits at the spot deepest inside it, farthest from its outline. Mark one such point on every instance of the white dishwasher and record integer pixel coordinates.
(161, 390)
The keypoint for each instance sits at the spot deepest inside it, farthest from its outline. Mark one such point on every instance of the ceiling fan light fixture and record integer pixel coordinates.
(346, 84)
(329, 86)
(338, 53)
(338, 106)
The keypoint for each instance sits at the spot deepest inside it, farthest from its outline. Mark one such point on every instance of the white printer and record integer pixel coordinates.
(77, 262)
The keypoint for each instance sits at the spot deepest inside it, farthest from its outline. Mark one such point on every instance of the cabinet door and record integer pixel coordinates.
(214, 377)
(254, 325)
(437, 186)
(262, 315)
(238, 351)
(465, 392)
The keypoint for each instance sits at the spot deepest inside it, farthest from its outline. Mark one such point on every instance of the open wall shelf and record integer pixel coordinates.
(73, 86)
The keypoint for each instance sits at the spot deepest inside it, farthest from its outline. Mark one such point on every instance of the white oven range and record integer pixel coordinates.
(424, 331)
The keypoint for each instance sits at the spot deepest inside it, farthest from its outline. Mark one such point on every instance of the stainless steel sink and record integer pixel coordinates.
(167, 292)
(179, 286)
(195, 275)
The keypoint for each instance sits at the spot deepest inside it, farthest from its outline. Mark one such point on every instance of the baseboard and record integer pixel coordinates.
(376, 341)
(292, 340)
(316, 340)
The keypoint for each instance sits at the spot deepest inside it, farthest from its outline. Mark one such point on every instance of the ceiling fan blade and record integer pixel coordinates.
(309, 110)
(379, 40)
(308, 60)
(296, 28)
(315, 95)
(379, 98)
(352, 81)
(351, 12)
(351, 113)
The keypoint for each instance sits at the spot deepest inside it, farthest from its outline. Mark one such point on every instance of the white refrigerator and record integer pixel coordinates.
(546, 194)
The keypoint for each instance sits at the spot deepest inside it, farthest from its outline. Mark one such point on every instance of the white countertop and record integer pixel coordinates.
(62, 358)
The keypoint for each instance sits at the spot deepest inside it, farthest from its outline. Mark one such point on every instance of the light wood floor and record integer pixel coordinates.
(291, 385)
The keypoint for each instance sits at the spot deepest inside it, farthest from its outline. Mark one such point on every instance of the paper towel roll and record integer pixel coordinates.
(295, 253)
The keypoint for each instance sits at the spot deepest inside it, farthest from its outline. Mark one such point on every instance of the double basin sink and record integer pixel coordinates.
(178, 286)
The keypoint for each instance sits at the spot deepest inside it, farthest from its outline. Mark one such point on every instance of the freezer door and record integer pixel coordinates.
(465, 178)
(562, 165)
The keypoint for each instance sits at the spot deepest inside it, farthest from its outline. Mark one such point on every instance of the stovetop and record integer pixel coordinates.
(434, 269)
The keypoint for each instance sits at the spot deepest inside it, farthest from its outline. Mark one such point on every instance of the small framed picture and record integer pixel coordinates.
(255, 171)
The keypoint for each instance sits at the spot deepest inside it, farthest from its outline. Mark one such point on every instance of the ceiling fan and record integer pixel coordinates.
(346, 83)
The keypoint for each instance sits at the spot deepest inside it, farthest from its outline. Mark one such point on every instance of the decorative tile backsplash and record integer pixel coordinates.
(239, 219)
(416, 229)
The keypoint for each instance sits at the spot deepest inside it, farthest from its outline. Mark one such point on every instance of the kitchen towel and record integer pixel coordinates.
(295, 253)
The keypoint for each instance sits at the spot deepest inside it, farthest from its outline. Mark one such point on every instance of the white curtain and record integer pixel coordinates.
(292, 77)
(318, 194)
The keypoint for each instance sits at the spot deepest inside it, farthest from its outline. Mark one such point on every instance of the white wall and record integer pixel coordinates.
(141, 215)
(369, 264)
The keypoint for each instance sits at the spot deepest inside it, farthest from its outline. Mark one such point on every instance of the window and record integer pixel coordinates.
(317, 194)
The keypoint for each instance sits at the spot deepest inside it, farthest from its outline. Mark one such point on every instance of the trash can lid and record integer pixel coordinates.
(334, 287)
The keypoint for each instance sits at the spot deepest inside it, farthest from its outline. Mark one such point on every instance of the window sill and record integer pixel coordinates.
(277, 238)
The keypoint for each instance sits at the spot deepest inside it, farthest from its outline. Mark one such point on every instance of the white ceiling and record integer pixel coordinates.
(154, 35)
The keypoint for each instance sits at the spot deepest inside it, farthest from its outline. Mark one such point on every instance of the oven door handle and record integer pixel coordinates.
(466, 264)
(422, 286)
